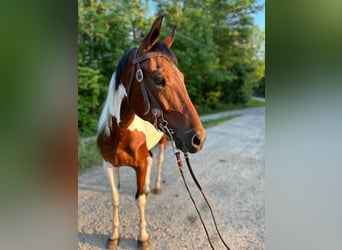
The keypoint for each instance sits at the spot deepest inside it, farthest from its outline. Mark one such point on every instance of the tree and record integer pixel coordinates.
(194, 31)
(102, 39)
(216, 52)
(234, 34)
(88, 99)
(104, 35)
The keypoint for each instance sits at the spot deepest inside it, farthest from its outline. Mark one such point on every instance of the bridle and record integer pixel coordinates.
(157, 113)
(139, 75)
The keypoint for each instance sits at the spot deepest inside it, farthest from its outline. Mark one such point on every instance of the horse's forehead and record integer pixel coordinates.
(153, 64)
(161, 64)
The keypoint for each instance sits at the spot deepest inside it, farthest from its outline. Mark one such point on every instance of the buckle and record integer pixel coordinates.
(139, 75)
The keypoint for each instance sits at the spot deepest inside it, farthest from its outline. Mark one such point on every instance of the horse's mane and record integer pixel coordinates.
(115, 94)
(121, 66)
(111, 106)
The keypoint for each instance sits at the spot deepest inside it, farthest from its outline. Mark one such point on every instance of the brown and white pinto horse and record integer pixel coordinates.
(146, 86)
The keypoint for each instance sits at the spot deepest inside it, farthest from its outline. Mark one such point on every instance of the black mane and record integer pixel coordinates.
(122, 64)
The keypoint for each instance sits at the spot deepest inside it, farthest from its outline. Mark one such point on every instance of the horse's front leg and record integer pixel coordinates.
(160, 159)
(148, 175)
(143, 240)
(113, 176)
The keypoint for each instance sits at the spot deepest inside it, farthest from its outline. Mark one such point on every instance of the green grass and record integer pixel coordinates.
(221, 107)
(214, 122)
(88, 154)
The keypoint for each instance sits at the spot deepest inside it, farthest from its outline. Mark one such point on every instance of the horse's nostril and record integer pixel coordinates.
(196, 140)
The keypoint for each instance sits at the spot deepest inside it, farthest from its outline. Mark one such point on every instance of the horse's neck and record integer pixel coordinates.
(126, 115)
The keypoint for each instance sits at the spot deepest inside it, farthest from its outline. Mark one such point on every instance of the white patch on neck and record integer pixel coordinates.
(115, 102)
(112, 106)
(152, 135)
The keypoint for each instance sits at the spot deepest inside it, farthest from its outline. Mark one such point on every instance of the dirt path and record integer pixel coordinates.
(230, 169)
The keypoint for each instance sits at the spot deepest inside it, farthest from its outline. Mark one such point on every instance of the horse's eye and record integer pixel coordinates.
(160, 81)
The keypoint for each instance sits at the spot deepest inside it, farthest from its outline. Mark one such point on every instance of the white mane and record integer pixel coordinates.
(111, 107)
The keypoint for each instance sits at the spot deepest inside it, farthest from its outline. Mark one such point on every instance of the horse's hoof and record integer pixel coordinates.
(144, 245)
(147, 193)
(111, 244)
(157, 191)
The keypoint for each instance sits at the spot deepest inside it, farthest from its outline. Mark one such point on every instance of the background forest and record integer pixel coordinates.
(219, 49)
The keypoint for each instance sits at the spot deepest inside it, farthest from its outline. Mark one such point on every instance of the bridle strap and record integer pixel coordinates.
(131, 78)
(147, 56)
(146, 93)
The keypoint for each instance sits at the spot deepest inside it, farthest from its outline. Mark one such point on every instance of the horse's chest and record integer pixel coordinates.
(152, 136)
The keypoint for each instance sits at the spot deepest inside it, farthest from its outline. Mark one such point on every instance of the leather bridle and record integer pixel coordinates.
(157, 112)
(139, 75)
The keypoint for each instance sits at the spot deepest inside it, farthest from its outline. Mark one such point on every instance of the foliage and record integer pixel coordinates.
(259, 91)
(88, 154)
(88, 95)
(220, 58)
(219, 49)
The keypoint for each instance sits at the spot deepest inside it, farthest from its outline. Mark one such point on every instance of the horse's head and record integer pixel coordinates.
(156, 84)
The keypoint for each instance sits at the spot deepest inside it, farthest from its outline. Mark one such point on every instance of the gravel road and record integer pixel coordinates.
(231, 171)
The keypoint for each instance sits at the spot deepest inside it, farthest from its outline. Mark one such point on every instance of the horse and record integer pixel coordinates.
(147, 98)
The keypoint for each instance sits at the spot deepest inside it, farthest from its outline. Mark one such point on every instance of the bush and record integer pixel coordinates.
(88, 153)
(88, 96)
(259, 91)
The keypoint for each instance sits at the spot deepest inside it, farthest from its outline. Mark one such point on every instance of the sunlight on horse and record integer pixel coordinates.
(146, 95)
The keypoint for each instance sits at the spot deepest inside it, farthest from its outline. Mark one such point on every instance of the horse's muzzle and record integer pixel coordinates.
(192, 141)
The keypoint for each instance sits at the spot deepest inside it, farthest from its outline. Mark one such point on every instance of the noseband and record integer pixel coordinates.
(157, 112)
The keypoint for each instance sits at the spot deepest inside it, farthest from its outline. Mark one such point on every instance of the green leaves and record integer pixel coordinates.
(220, 58)
(88, 99)
(103, 37)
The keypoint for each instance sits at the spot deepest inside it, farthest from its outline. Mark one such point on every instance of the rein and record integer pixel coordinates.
(163, 126)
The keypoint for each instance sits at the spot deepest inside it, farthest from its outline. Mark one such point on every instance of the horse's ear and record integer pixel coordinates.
(168, 41)
(152, 37)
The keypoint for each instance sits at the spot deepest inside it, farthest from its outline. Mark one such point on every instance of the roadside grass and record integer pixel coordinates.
(214, 122)
(221, 107)
(89, 155)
